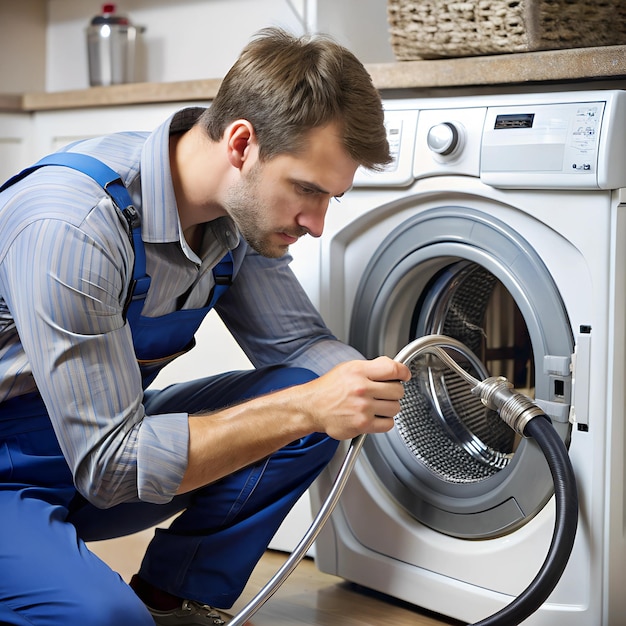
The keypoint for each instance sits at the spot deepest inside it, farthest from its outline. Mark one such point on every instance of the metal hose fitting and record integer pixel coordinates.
(495, 392)
(516, 409)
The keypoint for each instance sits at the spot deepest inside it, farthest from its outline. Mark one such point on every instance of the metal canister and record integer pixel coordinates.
(111, 48)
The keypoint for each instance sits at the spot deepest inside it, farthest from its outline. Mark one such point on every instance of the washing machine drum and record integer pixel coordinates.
(450, 462)
(447, 428)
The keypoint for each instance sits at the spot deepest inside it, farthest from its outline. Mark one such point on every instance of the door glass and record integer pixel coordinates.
(448, 429)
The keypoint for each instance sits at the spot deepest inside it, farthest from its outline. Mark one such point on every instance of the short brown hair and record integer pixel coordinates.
(285, 86)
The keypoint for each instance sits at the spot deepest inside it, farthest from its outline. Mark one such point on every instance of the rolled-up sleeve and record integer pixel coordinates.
(158, 474)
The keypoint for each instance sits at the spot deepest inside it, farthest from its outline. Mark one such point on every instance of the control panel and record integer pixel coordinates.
(570, 145)
(569, 140)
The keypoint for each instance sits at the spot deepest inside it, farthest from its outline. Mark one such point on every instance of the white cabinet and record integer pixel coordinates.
(15, 143)
(55, 129)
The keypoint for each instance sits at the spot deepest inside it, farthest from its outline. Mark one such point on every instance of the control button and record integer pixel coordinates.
(443, 138)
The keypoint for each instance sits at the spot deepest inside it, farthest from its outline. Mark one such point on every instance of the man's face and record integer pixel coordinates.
(278, 201)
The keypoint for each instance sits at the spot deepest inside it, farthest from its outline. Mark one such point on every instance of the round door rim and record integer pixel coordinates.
(432, 239)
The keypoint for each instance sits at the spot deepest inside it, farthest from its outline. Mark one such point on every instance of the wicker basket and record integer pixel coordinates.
(430, 29)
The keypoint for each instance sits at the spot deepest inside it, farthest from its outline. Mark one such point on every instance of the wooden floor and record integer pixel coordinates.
(310, 597)
(307, 597)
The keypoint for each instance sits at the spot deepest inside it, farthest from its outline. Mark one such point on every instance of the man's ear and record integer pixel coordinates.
(240, 142)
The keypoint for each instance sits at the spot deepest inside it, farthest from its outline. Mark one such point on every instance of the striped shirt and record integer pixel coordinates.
(65, 267)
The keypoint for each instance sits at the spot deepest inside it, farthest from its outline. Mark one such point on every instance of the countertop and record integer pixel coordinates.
(578, 64)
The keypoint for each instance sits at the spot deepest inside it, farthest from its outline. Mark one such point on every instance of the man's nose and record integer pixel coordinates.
(313, 219)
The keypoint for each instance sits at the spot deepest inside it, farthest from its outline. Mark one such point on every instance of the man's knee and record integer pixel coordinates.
(291, 376)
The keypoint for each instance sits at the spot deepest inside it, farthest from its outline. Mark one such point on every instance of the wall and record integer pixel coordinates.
(183, 40)
(22, 46)
(195, 39)
(360, 25)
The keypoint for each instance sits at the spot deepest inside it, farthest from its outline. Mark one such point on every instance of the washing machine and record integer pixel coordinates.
(501, 223)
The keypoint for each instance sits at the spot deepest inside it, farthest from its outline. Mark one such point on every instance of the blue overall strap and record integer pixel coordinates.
(111, 182)
(223, 276)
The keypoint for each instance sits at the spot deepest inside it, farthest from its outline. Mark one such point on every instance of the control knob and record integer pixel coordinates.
(444, 138)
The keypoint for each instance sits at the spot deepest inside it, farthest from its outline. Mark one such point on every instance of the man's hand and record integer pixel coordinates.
(357, 397)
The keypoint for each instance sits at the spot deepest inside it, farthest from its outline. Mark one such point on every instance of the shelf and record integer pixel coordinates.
(581, 64)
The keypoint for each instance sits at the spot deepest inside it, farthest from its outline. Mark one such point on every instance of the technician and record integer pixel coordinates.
(89, 313)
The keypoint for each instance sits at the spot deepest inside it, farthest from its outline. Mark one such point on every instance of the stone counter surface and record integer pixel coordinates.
(578, 64)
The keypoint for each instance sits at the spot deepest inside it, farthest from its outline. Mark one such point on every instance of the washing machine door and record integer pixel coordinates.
(451, 463)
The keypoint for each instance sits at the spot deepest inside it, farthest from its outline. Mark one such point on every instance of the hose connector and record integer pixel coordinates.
(514, 408)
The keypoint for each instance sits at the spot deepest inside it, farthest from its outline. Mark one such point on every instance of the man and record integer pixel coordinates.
(97, 296)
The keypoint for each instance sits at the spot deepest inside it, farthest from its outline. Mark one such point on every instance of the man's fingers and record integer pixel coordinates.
(385, 369)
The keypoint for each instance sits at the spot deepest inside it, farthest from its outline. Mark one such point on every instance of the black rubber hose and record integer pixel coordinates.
(566, 496)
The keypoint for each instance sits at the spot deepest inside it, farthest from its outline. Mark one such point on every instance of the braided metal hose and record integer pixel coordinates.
(519, 412)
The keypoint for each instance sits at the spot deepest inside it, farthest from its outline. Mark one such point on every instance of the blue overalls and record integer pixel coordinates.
(47, 575)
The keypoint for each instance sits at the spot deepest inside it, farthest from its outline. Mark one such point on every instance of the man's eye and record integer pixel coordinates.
(305, 191)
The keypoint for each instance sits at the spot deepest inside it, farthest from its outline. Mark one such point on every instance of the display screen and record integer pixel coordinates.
(514, 120)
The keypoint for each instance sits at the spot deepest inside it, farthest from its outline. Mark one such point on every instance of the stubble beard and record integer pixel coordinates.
(251, 216)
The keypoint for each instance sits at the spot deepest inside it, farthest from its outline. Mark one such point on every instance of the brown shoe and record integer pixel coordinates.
(190, 613)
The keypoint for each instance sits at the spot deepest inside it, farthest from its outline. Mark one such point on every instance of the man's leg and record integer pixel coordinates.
(48, 576)
(210, 550)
